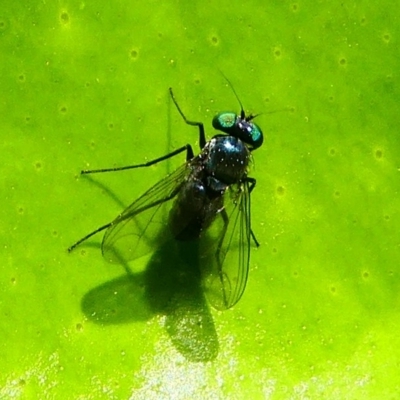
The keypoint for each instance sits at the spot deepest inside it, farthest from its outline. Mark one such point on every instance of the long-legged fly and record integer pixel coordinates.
(206, 199)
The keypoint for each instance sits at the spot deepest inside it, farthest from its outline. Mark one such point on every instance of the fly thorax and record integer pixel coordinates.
(227, 159)
(215, 186)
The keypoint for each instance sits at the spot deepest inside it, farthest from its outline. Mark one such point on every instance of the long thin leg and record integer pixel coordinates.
(189, 156)
(188, 147)
(120, 218)
(88, 236)
(202, 135)
(252, 183)
(253, 236)
(225, 218)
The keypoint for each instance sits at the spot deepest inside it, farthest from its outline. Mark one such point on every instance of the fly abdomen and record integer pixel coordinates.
(194, 210)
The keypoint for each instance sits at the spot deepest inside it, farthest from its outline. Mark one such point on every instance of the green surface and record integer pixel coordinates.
(84, 85)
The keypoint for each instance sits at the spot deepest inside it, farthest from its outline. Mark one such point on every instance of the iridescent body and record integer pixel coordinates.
(222, 162)
(208, 197)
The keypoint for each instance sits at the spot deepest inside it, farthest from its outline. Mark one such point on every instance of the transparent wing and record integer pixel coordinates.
(226, 264)
(143, 225)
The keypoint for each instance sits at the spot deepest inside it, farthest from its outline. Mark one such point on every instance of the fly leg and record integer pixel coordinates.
(187, 148)
(224, 281)
(252, 184)
(202, 136)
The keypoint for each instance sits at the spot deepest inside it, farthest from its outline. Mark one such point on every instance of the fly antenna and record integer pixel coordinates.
(242, 114)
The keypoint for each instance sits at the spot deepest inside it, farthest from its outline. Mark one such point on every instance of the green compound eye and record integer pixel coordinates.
(239, 126)
(224, 121)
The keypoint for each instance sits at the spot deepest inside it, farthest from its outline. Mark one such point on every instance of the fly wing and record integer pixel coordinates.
(143, 225)
(226, 264)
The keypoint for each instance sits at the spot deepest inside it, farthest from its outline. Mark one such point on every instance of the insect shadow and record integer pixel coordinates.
(170, 286)
(198, 218)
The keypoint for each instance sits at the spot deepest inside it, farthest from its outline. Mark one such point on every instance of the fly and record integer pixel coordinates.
(206, 199)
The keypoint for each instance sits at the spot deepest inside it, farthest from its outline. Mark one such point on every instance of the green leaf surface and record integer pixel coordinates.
(85, 85)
